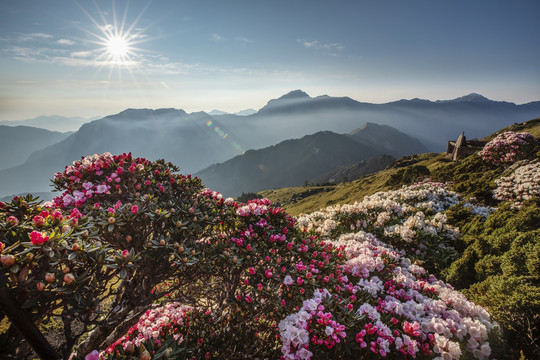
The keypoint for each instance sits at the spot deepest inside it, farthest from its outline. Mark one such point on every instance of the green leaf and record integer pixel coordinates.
(123, 273)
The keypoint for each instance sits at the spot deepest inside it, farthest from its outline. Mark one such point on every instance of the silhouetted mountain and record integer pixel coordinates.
(18, 142)
(295, 114)
(246, 112)
(52, 123)
(288, 163)
(192, 141)
(217, 113)
(396, 142)
(471, 98)
(320, 157)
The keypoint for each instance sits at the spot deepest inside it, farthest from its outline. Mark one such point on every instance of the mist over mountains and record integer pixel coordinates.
(197, 140)
(17, 143)
(52, 123)
(321, 157)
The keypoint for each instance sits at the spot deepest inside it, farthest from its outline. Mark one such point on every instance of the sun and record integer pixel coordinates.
(116, 39)
(117, 47)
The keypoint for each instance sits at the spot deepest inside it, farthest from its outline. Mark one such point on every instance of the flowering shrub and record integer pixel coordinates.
(508, 147)
(362, 296)
(390, 308)
(143, 225)
(410, 219)
(235, 280)
(52, 260)
(522, 184)
(266, 269)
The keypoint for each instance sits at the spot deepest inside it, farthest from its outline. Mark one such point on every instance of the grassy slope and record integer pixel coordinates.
(347, 193)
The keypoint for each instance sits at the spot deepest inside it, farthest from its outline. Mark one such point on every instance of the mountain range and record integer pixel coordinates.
(195, 141)
(320, 157)
(17, 143)
(52, 123)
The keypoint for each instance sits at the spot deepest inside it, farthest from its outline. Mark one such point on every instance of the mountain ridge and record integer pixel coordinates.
(317, 157)
(197, 140)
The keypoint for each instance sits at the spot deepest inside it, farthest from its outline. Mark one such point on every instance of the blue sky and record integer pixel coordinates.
(200, 55)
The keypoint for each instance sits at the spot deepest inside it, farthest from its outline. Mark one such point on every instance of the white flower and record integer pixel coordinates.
(288, 280)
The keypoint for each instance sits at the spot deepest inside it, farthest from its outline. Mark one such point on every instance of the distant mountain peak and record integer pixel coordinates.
(295, 94)
(368, 125)
(291, 98)
(470, 98)
(473, 97)
(144, 113)
(246, 112)
(217, 112)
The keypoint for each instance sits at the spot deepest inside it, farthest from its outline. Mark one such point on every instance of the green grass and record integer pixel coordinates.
(350, 192)
(531, 126)
(400, 173)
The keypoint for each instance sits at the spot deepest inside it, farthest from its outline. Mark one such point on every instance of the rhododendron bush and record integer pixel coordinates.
(375, 303)
(509, 147)
(522, 184)
(213, 278)
(412, 219)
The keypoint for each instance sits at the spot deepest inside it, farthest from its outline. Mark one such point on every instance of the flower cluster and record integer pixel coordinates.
(508, 147)
(46, 252)
(389, 308)
(409, 218)
(157, 323)
(522, 184)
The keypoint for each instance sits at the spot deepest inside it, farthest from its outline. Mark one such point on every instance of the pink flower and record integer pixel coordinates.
(134, 209)
(38, 238)
(13, 221)
(94, 355)
(87, 185)
(125, 254)
(268, 273)
(57, 215)
(251, 271)
(102, 189)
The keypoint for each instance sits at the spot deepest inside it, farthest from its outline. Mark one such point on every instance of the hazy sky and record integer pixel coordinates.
(94, 58)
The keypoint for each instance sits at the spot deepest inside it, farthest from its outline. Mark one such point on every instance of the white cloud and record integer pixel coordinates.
(65, 42)
(34, 36)
(316, 45)
(244, 40)
(217, 37)
(81, 54)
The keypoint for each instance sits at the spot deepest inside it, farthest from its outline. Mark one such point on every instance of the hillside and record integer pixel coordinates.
(403, 171)
(498, 248)
(349, 192)
(291, 162)
(318, 158)
(17, 143)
